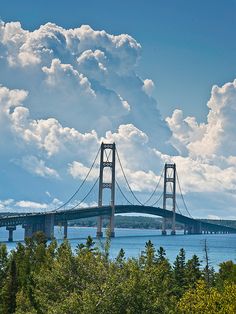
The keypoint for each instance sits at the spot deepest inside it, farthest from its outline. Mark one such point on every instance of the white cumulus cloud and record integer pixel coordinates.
(64, 91)
(148, 86)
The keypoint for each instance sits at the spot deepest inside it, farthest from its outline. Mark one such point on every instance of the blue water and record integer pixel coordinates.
(221, 247)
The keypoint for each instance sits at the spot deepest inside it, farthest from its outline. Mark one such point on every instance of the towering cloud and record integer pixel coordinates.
(85, 79)
(217, 136)
(63, 91)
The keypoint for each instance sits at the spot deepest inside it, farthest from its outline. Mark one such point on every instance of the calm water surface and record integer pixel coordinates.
(221, 247)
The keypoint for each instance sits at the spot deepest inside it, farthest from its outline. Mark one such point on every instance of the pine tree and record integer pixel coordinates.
(180, 272)
(9, 289)
(161, 255)
(3, 262)
(193, 272)
(148, 255)
(227, 272)
(120, 259)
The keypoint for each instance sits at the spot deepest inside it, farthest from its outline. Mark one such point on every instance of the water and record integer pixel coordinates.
(221, 247)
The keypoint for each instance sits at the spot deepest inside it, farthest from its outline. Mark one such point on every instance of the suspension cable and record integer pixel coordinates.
(75, 206)
(151, 196)
(92, 185)
(107, 156)
(175, 200)
(178, 208)
(123, 193)
(127, 180)
(81, 185)
(186, 208)
(157, 200)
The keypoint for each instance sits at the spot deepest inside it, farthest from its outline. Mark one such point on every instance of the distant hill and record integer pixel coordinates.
(132, 222)
(223, 222)
(142, 222)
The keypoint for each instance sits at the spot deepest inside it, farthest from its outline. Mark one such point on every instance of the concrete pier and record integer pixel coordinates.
(49, 226)
(65, 224)
(45, 225)
(10, 229)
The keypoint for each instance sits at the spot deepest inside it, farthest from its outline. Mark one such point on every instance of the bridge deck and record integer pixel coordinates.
(67, 215)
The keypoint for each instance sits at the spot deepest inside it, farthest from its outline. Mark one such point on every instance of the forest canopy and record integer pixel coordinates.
(41, 277)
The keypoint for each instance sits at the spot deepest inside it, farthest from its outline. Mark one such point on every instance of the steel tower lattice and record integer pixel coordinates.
(169, 193)
(107, 185)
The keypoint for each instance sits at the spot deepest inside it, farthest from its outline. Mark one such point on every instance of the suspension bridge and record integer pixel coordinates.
(164, 195)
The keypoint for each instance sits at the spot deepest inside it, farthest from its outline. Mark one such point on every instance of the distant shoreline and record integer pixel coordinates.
(142, 222)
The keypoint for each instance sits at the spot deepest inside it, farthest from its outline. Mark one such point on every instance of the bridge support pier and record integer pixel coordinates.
(112, 224)
(197, 228)
(28, 230)
(45, 225)
(190, 229)
(65, 225)
(49, 226)
(10, 229)
(99, 228)
(163, 232)
(185, 229)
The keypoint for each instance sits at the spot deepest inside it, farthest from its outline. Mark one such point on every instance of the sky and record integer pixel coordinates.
(156, 77)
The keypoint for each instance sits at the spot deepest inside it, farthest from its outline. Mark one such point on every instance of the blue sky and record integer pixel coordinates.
(151, 91)
(186, 45)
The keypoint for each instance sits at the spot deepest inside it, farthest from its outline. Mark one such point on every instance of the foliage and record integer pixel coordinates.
(207, 300)
(41, 278)
(122, 221)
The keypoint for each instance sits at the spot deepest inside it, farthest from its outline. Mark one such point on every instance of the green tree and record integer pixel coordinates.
(205, 300)
(51, 279)
(3, 268)
(88, 246)
(3, 261)
(161, 255)
(55, 281)
(148, 257)
(120, 259)
(227, 272)
(228, 297)
(192, 272)
(23, 304)
(9, 289)
(180, 273)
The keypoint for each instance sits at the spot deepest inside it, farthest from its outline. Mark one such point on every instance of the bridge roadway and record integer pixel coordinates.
(45, 221)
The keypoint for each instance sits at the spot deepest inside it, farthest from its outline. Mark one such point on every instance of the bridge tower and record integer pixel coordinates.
(169, 193)
(104, 162)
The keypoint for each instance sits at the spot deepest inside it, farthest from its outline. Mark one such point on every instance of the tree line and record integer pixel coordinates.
(142, 222)
(132, 222)
(41, 277)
